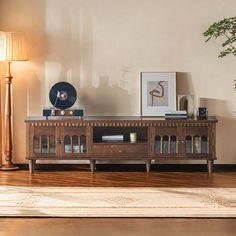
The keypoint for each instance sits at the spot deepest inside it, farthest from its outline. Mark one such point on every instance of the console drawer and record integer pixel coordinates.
(121, 150)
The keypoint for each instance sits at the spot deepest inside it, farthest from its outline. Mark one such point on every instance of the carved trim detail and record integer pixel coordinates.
(149, 123)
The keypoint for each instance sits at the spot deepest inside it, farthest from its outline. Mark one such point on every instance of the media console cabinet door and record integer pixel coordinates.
(73, 141)
(42, 142)
(165, 141)
(196, 141)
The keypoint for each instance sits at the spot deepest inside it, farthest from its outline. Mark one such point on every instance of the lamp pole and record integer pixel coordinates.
(8, 165)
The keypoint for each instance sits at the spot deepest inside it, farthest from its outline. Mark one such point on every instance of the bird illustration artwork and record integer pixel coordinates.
(158, 92)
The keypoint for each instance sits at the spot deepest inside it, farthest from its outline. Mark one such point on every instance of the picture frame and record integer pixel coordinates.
(158, 93)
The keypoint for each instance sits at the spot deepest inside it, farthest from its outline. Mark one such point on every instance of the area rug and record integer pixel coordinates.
(116, 202)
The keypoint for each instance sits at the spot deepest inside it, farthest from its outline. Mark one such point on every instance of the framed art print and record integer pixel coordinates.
(158, 93)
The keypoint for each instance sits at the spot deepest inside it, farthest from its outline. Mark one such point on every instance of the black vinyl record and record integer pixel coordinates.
(62, 95)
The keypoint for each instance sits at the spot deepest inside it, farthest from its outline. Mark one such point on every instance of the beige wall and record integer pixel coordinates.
(101, 46)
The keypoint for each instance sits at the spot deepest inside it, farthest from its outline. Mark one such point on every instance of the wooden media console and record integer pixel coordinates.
(60, 138)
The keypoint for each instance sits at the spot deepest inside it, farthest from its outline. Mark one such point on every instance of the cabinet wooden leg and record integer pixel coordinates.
(148, 166)
(92, 165)
(210, 166)
(32, 164)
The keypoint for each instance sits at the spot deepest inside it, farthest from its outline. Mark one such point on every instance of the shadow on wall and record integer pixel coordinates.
(106, 99)
(184, 84)
(69, 35)
(226, 128)
(38, 50)
(70, 58)
(34, 102)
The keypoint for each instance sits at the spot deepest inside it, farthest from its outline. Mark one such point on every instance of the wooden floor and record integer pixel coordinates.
(106, 177)
(117, 226)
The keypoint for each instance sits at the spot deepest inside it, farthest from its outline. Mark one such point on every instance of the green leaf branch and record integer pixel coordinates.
(225, 28)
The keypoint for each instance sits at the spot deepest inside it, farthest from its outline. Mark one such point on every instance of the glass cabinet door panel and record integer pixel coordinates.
(158, 144)
(197, 144)
(83, 144)
(204, 144)
(52, 144)
(44, 141)
(188, 144)
(36, 144)
(173, 144)
(67, 144)
(74, 140)
(44, 144)
(75, 144)
(165, 144)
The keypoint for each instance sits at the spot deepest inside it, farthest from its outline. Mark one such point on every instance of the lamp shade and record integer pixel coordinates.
(12, 46)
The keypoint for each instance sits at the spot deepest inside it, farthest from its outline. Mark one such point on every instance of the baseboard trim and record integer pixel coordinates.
(134, 167)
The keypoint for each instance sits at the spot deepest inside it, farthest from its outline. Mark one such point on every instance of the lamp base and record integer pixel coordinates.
(9, 167)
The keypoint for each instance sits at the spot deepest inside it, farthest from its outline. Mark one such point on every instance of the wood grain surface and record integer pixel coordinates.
(109, 177)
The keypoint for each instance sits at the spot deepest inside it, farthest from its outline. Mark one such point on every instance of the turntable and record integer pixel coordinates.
(62, 97)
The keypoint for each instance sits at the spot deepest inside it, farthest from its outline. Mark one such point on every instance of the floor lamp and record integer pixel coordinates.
(12, 48)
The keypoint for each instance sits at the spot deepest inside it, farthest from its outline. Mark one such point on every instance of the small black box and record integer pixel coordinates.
(47, 111)
(202, 113)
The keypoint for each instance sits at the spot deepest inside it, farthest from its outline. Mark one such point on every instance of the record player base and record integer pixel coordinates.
(157, 140)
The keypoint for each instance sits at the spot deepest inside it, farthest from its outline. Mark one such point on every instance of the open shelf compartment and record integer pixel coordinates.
(99, 132)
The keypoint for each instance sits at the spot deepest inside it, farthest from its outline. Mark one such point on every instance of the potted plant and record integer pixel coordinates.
(225, 28)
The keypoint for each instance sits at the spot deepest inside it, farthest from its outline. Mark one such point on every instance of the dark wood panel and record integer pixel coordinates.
(121, 150)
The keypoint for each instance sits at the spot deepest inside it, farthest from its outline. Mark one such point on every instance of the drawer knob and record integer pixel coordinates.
(60, 141)
(120, 151)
